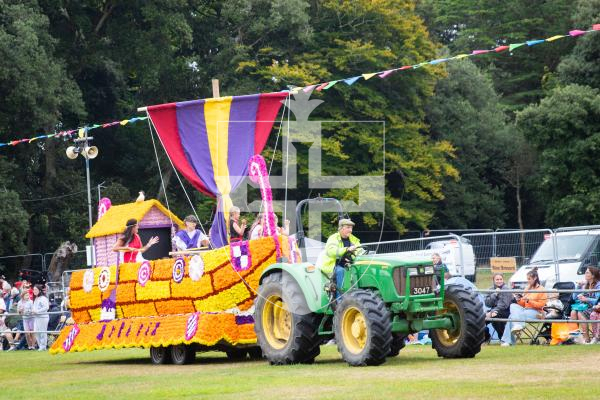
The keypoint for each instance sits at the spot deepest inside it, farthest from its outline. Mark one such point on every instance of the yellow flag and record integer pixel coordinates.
(368, 76)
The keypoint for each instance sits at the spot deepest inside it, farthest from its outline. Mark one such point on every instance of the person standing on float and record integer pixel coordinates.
(131, 244)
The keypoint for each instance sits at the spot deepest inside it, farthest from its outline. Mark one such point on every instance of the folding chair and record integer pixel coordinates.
(545, 329)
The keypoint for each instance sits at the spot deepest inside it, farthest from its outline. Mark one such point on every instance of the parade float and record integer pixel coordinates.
(202, 300)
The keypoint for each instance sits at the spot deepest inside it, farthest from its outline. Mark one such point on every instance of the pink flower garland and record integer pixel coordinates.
(259, 175)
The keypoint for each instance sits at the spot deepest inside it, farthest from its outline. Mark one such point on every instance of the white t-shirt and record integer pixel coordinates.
(182, 247)
(256, 232)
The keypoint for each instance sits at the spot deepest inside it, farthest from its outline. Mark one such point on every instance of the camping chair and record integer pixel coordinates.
(544, 331)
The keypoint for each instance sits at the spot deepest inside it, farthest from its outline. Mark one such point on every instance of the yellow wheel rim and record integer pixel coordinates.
(449, 337)
(354, 330)
(277, 322)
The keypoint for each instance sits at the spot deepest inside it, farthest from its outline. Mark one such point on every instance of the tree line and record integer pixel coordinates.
(496, 141)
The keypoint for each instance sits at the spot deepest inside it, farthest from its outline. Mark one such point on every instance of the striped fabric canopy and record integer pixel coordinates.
(210, 142)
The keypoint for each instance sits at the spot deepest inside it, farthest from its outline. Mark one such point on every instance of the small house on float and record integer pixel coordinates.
(154, 219)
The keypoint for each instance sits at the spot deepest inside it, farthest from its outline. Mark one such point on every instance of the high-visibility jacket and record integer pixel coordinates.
(334, 249)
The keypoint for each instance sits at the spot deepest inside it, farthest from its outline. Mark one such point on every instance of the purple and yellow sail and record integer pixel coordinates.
(210, 142)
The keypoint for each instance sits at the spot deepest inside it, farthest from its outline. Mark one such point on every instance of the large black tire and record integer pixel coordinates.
(286, 330)
(398, 343)
(363, 328)
(464, 341)
(182, 354)
(160, 355)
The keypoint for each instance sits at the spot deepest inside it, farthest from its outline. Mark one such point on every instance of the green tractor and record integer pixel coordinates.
(383, 300)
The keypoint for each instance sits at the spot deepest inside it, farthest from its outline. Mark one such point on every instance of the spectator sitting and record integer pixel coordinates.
(190, 237)
(5, 332)
(583, 302)
(528, 306)
(595, 316)
(498, 303)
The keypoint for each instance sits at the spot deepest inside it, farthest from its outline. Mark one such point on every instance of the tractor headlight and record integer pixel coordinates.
(413, 271)
(429, 270)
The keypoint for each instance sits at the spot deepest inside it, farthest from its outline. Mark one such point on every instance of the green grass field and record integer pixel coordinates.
(521, 372)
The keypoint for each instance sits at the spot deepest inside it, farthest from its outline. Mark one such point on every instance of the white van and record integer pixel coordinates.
(575, 249)
(449, 250)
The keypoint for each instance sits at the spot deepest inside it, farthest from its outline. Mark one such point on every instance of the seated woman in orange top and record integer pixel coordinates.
(528, 306)
(131, 244)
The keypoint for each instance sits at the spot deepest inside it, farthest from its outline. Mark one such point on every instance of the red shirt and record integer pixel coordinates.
(131, 256)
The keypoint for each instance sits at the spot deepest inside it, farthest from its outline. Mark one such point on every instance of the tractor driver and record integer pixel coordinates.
(338, 244)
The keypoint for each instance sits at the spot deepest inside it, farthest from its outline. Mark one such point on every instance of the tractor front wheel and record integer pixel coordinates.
(464, 341)
(286, 330)
(363, 328)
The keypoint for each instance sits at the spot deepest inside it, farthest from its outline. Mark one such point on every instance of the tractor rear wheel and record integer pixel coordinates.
(464, 341)
(363, 328)
(286, 330)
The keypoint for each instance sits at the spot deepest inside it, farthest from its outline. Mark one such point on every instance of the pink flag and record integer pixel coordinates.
(576, 32)
(385, 74)
(480, 51)
(309, 88)
(596, 27)
(321, 86)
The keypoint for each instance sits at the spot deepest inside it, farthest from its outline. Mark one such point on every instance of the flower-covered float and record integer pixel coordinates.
(177, 306)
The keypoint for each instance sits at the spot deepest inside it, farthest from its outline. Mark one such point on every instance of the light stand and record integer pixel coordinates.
(88, 152)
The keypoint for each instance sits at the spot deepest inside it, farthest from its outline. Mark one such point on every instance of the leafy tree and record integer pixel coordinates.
(565, 129)
(465, 25)
(581, 66)
(38, 96)
(370, 36)
(466, 112)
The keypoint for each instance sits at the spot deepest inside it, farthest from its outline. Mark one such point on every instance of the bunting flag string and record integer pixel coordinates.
(79, 131)
(328, 85)
(384, 74)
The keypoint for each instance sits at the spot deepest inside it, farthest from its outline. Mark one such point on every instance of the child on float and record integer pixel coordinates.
(191, 237)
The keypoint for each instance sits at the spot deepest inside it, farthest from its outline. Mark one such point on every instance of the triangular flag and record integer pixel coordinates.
(405, 67)
(350, 81)
(553, 38)
(419, 65)
(368, 76)
(321, 86)
(330, 85)
(309, 88)
(515, 45)
(576, 32)
(534, 42)
(596, 27)
(124, 122)
(458, 57)
(385, 74)
(475, 52)
(81, 132)
(500, 49)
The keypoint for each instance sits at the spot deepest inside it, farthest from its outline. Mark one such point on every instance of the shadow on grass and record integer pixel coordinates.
(211, 360)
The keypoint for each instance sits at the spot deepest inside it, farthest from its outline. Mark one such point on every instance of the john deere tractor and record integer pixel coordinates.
(383, 299)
